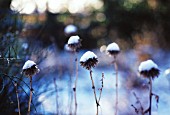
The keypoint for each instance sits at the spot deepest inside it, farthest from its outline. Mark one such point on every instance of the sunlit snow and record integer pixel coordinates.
(28, 64)
(74, 40)
(147, 65)
(113, 47)
(87, 55)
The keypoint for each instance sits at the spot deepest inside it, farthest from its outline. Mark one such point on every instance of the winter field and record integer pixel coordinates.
(84, 57)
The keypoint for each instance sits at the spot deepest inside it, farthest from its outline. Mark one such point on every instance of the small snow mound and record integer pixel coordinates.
(74, 40)
(28, 64)
(88, 55)
(70, 29)
(147, 65)
(113, 47)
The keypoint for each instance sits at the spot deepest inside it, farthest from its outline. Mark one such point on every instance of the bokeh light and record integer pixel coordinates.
(55, 6)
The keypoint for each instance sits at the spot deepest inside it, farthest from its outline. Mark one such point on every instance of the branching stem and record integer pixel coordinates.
(94, 91)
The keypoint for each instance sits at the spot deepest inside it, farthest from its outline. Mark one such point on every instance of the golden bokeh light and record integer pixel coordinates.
(55, 6)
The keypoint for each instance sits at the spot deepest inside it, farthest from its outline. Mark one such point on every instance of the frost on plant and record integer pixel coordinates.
(69, 29)
(148, 69)
(30, 68)
(74, 42)
(88, 60)
(113, 49)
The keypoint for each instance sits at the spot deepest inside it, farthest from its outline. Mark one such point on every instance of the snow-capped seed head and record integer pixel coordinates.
(69, 29)
(113, 49)
(30, 68)
(148, 69)
(74, 42)
(88, 60)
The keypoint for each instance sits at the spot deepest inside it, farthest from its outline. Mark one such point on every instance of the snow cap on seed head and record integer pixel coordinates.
(113, 49)
(69, 29)
(28, 64)
(74, 42)
(148, 69)
(30, 68)
(88, 60)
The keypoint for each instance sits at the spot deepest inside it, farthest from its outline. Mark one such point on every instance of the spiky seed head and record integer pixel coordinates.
(88, 60)
(30, 68)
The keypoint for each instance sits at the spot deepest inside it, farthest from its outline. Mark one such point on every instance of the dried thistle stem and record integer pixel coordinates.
(138, 101)
(31, 89)
(16, 90)
(94, 91)
(74, 89)
(150, 96)
(116, 70)
(101, 89)
(70, 94)
(55, 85)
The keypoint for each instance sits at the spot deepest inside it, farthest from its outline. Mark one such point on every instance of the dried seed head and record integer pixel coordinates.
(30, 68)
(113, 49)
(151, 73)
(88, 60)
(74, 43)
(149, 69)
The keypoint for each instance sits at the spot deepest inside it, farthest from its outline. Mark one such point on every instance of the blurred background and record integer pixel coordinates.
(36, 30)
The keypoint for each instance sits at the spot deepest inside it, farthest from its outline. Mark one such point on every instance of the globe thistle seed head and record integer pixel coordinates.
(113, 49)
(88, 60)
(151, 73)
(74, 42)
(30, 68)
(149, 69)
(113, 52)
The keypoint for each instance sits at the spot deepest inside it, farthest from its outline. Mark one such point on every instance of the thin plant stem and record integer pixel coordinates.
(116, 70)
(16, 90)
(138, 101)
(12, 80)
(70, 94)
(74, 89)
(30, 99)
(56, 90)
(101, 89)
(94, 91)
(150, 96)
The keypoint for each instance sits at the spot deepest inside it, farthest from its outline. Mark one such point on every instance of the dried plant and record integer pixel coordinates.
(113, 50)
(29, 69)
(88, 61)
(74, 43)
(16, 90)
(56, 90)
(149, 70)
